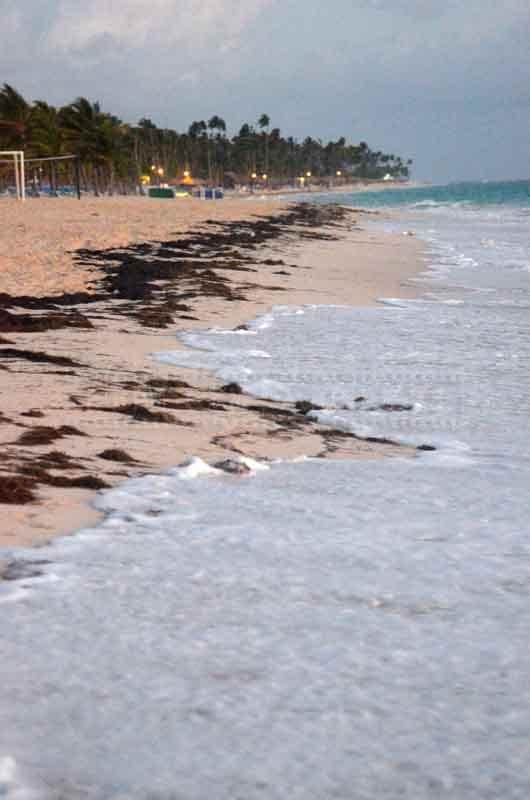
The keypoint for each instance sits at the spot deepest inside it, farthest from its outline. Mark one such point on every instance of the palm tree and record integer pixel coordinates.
(90, 133)
(218, 124)
(197, 134)
(15, 114)
(263, 123)
(45, 136)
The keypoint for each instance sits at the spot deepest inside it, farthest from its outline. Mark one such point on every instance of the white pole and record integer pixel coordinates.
(17, 177)
(23, 176)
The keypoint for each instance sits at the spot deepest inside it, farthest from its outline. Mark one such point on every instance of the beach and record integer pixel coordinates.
(84, 406)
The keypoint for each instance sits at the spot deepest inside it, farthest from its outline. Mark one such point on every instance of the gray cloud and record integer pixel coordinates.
(447, 84)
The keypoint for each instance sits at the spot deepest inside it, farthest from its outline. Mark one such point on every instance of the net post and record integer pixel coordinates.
(23, 177)
(78, 177)
(17, 176)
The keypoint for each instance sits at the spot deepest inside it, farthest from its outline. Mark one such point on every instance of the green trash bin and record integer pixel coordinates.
(160, 192)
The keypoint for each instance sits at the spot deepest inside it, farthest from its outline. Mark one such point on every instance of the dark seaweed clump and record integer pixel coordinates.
(32, 412)
(15, 489)
(42, 434)
(37, 357)
(33, 323)
(38, 474)
(17, 570)
(137, 412)
(117, 455)
(304, 407)
(231, 388)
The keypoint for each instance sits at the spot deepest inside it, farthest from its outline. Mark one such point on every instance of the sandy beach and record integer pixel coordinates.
(83, 406)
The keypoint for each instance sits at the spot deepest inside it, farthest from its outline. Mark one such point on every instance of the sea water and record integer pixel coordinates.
(321, 629)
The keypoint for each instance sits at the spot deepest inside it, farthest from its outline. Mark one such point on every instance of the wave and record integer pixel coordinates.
(442, 204)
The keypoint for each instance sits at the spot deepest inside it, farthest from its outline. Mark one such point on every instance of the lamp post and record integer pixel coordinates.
(308, 176)
(264, 178)
(160, 175)
(253, 177)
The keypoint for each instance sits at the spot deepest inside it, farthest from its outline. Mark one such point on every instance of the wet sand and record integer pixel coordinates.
(84, 407)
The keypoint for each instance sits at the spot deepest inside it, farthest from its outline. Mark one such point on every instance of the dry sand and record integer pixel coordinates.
(36, 241)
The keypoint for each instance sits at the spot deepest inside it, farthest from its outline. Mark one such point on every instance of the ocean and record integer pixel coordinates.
(323, 629)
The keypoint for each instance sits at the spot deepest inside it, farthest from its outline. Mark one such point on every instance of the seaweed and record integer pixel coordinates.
(56, 459)
(393, 407)
(17, 569)
(31, 323)
(37, 357)
(40, 475)
(231, 388)
(304, 407)
(194, 405)
(138, 412)
(167, 383)
(16, 489)
(47, 303)
(117, 455)
(42, 434)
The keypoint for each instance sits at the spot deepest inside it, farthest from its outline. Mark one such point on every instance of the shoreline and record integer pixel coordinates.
(336, 263)
(343, 188)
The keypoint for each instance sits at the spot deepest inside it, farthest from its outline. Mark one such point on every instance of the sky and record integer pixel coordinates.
(446, 83)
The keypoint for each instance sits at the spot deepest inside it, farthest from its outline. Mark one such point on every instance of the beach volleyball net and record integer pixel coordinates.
(23, 177)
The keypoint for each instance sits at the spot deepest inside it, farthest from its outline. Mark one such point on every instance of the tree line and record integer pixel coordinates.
(116, 156)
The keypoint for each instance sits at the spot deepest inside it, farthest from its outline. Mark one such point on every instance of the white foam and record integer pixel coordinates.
(252, 464)
(11, 785)
(195, 467)
(392, 301)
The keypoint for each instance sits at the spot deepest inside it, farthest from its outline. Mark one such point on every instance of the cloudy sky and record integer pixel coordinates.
(446, 82)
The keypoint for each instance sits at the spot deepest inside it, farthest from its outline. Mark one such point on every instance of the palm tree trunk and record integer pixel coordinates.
(95, 181)
(53, 179)
(209, 162)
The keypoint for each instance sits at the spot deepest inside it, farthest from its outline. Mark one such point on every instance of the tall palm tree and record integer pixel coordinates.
(45, 136)
(90, 133)
(263, 123)
(197, 136)
(15, 114)
(218, 124)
